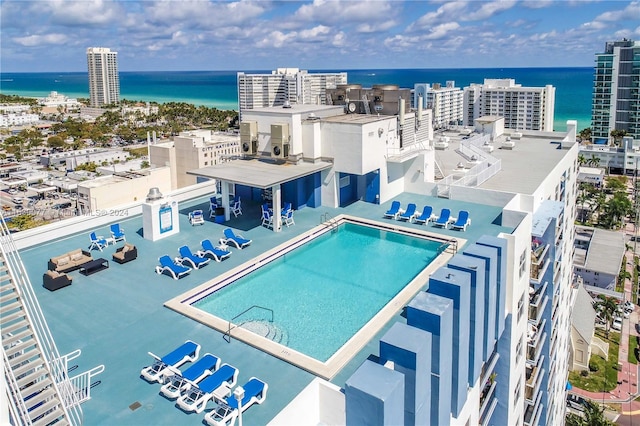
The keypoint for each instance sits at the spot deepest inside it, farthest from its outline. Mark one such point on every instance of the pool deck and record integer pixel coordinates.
(117, 315)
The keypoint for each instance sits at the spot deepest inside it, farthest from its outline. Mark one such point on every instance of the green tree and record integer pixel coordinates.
(593, 161)
(617, 136)
(582, 160)
(615, 210)
(593, 416)
(606, 306)
(585, 134)
(55, 142)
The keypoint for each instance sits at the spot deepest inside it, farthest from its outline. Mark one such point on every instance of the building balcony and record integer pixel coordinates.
(536, 311)
(532, 389)
(488, 402)
(532, 413)
(534, 351)
(539, 262)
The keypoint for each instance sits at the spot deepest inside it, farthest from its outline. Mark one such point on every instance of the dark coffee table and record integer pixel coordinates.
(94, 266)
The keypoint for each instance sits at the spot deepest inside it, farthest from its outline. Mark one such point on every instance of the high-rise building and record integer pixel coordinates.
(616, 91)
(446, 102)
(104, 82)
(285, 84)
(523, 108)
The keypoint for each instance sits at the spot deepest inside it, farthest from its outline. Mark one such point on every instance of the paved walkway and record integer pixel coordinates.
(627, 389)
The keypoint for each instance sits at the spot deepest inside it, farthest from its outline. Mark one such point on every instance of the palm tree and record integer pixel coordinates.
(606, 306)
(582, 160)
(593, 161)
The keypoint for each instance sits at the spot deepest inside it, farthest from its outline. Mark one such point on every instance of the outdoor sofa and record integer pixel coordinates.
(126, 253)
(69, 261)
(52, 280)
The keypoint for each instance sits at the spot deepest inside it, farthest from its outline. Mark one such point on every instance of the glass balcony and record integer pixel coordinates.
(534, 351)
(532, 413)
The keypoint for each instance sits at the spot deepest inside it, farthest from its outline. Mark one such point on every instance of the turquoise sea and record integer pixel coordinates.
(218, 88)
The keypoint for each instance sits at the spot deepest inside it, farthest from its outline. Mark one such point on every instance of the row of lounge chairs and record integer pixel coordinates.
(187, 261)
(444, 219)
(205, 380)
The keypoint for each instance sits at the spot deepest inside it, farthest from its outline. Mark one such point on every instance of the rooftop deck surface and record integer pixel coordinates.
(117, 315)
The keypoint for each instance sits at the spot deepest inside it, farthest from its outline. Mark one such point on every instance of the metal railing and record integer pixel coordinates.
(41, 333)
(227, 335)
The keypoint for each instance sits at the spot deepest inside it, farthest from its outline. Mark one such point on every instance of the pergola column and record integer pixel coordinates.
(277, 207)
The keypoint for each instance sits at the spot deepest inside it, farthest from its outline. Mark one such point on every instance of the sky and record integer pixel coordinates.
(53, 35)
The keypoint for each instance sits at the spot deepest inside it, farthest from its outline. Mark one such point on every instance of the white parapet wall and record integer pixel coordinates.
(320, 403)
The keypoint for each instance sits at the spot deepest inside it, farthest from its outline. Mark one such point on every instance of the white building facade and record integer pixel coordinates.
(104, 80)
(285, 85)
(445, 102)
(523, 108)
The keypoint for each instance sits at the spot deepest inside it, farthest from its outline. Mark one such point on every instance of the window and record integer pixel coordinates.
(523, 265)
(521, 306)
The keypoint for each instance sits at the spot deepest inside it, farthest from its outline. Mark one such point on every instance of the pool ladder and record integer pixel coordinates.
(227, 335)
(328, 221)
(449, 244)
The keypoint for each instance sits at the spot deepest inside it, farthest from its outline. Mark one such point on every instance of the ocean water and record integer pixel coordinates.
(218, 88)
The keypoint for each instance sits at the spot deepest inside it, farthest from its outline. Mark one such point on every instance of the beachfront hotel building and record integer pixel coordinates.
(104, 80)
(444, 101)
(290, 85)
(523, 108)
(616, 91)
(479, 336)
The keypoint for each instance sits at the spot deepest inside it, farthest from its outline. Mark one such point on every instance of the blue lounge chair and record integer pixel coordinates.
(167, 265)
(213, 205)
(267, 218)
(188, 351)
(287, 218)
(187, 258)
(409, 214)
(236, 208)
(394, 211)
(237, 240)
(179, 382)
(196, 218)
(443, 219)
(196, 398)
(255, 392)
(425, 217)
(98, 242)
(117, 233)
(217, 253)
(462, 221)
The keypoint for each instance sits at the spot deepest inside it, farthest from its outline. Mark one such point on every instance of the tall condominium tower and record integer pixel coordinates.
(285, 84)
(104, 83)
(616, 91)
(523, 108)
(446, 102)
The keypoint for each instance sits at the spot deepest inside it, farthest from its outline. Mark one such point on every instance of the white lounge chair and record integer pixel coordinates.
(156, 372)
(179, 382)
(230, 238)
(174, 269)
(187, 258)
(196, 218)
(196, 398)
(208, 249)
(462, 221)
(255, 392)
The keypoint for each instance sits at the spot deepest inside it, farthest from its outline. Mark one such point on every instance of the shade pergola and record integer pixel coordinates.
(260, 174)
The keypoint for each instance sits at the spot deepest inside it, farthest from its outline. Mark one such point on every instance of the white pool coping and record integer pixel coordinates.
(328, 369)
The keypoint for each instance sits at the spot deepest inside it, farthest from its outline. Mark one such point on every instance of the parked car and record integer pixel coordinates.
(617, 324)
(12, 191)
(17, 200)
(638, 327)
(628, 306)
(61, 206)
(576, 402)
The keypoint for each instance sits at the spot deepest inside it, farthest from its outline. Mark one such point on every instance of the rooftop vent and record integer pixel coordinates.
(286, 104)
(154, 194)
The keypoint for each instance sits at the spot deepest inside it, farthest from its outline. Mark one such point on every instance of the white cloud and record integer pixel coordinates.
(488, 9)
(632, 11)
(39, 39)
(81, 13)
(332, 11)
(441, 31)
(446, 12)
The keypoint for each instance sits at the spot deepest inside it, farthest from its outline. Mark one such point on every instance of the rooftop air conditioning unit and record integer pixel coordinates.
(280, 140)
(249, 137)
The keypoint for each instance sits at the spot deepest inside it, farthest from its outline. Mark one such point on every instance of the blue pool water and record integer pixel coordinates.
(323, 292)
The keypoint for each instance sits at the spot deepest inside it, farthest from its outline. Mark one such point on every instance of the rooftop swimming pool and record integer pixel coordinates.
(317, 299)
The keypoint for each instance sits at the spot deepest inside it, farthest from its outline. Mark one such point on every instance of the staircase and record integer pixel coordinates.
(39, 390)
